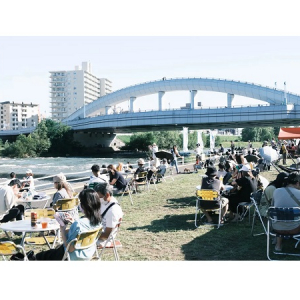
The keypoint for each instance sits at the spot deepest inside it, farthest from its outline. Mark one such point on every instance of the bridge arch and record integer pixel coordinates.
(230, 87)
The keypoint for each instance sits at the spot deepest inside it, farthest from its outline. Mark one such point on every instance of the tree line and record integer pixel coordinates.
(49, 138)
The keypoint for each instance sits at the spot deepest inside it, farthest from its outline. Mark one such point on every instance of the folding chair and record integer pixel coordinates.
(128, 189)
(208, 200)
(255, 199)
(9, 248)
(69, 205)
(84, 241)
(285, 215)
(39, 240)
(246, 208)
(142, 177)
(152, 179)
(168, 173)
(111, 242)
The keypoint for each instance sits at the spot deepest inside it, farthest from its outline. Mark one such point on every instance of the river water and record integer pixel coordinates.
(45, 166)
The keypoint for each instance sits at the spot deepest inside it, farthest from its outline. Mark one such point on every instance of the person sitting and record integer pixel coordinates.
(199, 163)
(267, 197)
(9, 209)
(244, 186)
(111, 212)
(221, 172)
(104, 170)
(141, 168)
(221, 149)
(96, 177)
(116, 179)
(212, 183)
(163, 167)
(287, 197)
(64, 190)
(90, 205)
(28, 180)
(12, 175)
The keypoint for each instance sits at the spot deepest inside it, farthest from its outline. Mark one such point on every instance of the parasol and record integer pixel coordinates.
(268, 153)
(163, 154)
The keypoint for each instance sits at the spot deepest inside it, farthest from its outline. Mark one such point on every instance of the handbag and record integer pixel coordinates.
(20, 257)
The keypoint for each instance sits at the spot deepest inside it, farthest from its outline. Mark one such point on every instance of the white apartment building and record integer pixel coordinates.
(15, 116)
(70, 90)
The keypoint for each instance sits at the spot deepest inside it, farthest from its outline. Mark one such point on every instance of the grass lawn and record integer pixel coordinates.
(160, 227)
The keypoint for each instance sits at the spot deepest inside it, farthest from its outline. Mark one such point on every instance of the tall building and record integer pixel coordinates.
(70, 90)
(15, 116)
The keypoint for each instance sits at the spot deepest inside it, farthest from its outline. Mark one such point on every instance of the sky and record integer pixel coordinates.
(25, 62)
(131, 42)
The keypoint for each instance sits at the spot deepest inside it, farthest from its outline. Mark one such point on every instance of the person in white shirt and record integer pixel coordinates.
(111, 211)
(154, 149)
(28, 180)
(9, 209)
(96, 177)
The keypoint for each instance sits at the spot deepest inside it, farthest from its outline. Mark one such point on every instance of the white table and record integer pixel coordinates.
(24, 226)
(227, 187)
(27, 203)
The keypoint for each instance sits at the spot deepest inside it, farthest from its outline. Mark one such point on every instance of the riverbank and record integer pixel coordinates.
(159, 226)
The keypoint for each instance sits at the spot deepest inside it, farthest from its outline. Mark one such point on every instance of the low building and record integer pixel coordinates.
(15, 116)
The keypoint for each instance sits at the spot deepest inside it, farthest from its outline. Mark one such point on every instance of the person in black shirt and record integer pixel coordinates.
(116, 179)
(245, 184)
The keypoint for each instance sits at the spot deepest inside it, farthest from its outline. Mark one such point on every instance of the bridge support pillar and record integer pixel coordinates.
(132, 99)
(106, 109)
(229, 99)
(192, 97)
(160, 100)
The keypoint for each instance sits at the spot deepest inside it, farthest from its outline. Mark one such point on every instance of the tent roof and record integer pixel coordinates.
(289, 133)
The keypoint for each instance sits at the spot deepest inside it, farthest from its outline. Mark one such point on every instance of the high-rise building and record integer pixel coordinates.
(70, 90)
(15, 116)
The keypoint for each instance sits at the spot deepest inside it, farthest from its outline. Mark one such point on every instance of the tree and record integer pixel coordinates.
(258, 134)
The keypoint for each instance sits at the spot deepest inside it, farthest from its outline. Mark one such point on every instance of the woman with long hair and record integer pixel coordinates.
(90, 206)
(116, 178)
(64, 189)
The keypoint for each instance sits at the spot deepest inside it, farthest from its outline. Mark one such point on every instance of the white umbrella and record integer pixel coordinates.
(268, 153)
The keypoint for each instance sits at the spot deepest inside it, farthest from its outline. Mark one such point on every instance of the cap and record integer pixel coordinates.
(59, 178)
(28, 171)
(245, 168)
(141, 161)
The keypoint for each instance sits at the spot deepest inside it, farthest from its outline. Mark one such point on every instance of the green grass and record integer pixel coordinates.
(124, 138)
(159, 226)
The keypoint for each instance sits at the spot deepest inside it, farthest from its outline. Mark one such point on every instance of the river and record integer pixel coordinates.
(44, 166)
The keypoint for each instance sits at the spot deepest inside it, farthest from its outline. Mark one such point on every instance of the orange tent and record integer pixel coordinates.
(289, 133)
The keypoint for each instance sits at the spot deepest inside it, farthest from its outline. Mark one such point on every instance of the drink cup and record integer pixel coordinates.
(44, 223)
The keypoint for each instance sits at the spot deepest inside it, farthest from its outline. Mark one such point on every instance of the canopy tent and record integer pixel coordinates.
(289, 133)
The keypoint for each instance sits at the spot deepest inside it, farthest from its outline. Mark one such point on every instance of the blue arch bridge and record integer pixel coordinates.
(280, 108)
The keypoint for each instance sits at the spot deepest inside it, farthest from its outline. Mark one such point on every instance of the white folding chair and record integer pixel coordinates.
(255, 199)
(111, 242)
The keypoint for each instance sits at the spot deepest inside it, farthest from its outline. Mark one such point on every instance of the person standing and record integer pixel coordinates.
(154, 149)
(175, 154)
(232, 146)
(283, 151)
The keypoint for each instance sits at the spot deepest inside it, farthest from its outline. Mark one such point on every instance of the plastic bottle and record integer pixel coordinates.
(221, 179)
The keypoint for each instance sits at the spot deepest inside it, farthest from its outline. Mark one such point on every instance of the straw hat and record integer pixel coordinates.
(141, 161)
(59, 178)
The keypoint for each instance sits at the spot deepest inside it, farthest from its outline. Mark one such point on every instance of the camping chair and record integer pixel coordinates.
(111, 242)
(83, 241)
(246, 209)
(152, 179)
(208, 200)
(69, 205)
(168, 174)
(40, 240)
(286, 215)
(9, 248)
(142, 176)
(255, 199)
(128, 189)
